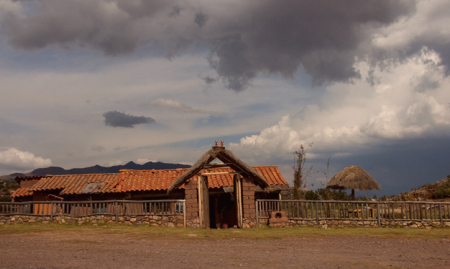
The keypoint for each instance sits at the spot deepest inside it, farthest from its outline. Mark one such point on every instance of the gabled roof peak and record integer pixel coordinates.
(225, 156)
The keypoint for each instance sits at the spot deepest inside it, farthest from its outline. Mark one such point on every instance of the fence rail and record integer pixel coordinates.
(361, 210)
(89, 208)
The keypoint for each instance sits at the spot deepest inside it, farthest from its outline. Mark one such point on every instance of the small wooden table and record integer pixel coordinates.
(355, 212)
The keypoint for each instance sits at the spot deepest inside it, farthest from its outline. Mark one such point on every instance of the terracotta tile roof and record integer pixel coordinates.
(22, 192)
(145, 180)
(18, 179)
(149, 180)
(72, 184)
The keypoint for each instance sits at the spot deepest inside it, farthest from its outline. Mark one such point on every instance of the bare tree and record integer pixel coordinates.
(301, 173)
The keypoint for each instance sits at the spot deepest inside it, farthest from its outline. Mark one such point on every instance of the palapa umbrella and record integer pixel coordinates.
(353, 177)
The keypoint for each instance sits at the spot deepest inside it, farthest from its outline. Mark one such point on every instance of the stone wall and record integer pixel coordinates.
(248, 204)
(325, 224)
(151, 220)
(177, 221)
(248, 223)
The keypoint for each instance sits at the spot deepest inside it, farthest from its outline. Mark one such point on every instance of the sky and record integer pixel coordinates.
(111, 81)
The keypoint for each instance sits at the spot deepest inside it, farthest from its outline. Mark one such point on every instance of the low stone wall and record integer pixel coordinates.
(177, 221)
(324, 224)
(248, 223)
(193, 223)
(163, 221)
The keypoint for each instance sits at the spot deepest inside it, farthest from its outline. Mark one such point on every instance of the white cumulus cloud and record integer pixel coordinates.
(14, 159)
(350, 118)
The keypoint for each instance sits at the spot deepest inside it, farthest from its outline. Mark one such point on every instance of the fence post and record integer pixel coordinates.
(317, 211)
(378, 214)
(51, 212)
(257, 213)
(184, 212)
(117, 216)
(440, 213)
(420, 208)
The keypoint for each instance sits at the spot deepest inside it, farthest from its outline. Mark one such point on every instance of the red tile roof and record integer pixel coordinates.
(150, 180)
(71, 184)
(18, 179)
(146, 180)
(143, 180)
(22, 192)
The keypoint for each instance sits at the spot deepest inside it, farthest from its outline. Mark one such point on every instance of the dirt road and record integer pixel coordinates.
(91, 250)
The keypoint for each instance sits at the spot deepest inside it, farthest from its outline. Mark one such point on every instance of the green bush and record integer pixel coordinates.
(311, 195)
(328, 194)
(6, 187)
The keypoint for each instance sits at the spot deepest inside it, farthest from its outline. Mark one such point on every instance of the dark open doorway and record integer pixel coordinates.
(222, 210)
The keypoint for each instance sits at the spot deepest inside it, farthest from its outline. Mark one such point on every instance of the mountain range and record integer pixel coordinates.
(97, 169)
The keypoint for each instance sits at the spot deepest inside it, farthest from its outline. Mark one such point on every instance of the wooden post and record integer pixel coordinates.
(378, 214)
(51, 212)
(117, 213)
(440, 213)
(203, 201)
(238, 198)
(200, 208)
(401, 206)
(257, 213)
(420, 208)
(184, 212)
(353, 210)
(317, 212)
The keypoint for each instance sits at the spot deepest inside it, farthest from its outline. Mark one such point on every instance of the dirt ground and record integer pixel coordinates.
(93, 250)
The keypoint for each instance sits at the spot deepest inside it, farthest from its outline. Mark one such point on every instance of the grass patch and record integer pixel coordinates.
(213, 234)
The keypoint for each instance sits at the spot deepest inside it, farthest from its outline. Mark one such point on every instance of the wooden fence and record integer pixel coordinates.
(360, 210)
(115, 208)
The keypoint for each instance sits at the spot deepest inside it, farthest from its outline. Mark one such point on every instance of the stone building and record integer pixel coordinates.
(216, 194)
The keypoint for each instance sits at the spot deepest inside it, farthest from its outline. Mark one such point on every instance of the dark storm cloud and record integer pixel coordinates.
(400, 167)
(209, 80)
(229, 60)
(371, 78)
(120, 119)
(175, 11)
(109, 26)
(200, 19)
(427, 83)
(322, 37)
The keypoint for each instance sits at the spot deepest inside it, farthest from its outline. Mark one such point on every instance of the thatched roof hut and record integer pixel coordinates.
(228, 158)
(353, 177)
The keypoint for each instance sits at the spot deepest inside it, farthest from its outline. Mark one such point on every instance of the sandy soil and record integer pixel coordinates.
(91, 250)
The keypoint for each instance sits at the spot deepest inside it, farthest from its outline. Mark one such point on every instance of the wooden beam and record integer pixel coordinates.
(216, 173)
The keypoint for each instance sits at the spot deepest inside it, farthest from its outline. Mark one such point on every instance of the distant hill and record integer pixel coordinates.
(432, 191)
(11, 177)
(97, 169)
